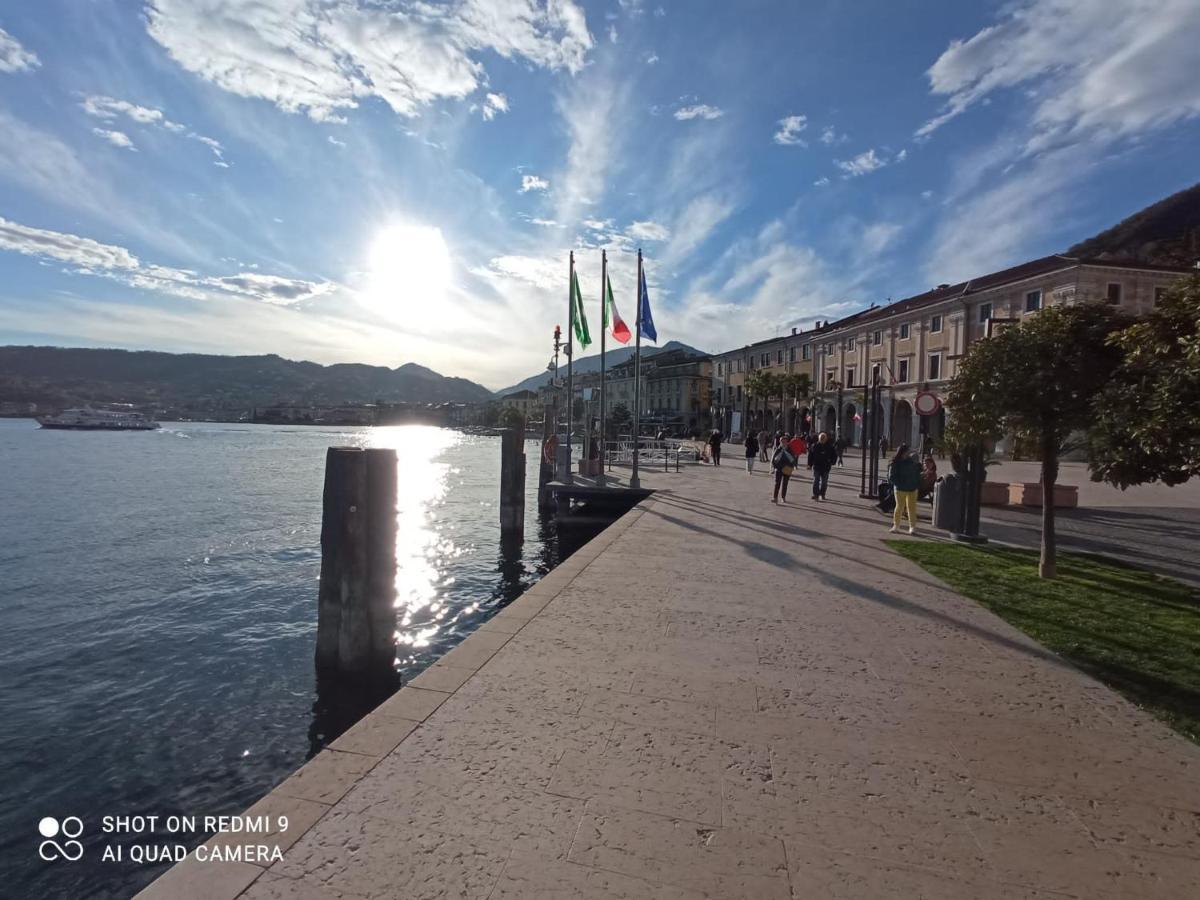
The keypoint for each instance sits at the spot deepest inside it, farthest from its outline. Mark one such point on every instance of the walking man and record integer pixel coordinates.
(763, 443)
(714, 443)
(751, 452)
(821, 458)
(784, 463)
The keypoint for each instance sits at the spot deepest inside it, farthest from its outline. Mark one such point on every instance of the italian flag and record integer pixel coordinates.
(620, 330)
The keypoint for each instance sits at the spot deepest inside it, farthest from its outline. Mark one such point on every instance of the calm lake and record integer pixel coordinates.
(158, 596)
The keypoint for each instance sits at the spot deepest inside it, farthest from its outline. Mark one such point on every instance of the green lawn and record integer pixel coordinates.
(1137, 632)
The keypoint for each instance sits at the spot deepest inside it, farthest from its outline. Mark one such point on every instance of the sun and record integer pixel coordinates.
(408, 270)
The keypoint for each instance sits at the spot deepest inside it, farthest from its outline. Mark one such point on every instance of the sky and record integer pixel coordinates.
(392, 181)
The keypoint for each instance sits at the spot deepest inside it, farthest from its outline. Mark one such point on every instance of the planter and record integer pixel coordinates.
(1066, 496)
(590, 467)
(994, 493)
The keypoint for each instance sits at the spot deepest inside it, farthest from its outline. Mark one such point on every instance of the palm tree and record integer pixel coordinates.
(758, 386)
(800, 387)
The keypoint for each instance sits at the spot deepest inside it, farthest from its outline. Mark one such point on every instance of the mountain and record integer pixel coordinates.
(57, 377)
(1165, 234)
(592, 364)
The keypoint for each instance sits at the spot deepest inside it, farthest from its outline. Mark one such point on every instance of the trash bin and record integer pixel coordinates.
(947, 503)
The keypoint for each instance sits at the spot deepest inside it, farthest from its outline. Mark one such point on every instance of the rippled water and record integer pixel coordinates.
(158, 615)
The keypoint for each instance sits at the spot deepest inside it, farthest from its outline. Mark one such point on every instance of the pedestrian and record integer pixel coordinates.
(928, 474)
(821, 458)
(763, 446)
(714, 443)
(904, 475)
(784, 463)
(839, 447)
(751, 452)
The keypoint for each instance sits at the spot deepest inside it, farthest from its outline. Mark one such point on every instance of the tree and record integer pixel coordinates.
(511, 418)
(756, 386)
(1037, 380)
(1146, 423)
(619, 416)
(799, 386)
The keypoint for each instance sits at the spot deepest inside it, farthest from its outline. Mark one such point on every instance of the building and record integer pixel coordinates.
(527, 403)
(916, 343)
(675, 389)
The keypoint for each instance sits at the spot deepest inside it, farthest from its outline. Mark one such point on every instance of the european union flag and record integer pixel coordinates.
(646, 323)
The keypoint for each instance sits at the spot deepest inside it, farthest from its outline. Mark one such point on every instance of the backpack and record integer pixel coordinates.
(783, 459)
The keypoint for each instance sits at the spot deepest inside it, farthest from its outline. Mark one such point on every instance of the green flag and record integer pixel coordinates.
(582, 334)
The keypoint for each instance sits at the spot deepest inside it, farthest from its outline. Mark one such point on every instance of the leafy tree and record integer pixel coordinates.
(490, 415)
(620, 417)
(1147, 420)
(511, 418)
(1037, 380)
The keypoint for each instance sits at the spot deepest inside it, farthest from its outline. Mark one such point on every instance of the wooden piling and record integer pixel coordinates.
(512, 482)
(546, 466)
(356, 613)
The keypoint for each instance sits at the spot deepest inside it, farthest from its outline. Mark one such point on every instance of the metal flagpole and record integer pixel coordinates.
(634, 482)
(570, 363)
(603, 329)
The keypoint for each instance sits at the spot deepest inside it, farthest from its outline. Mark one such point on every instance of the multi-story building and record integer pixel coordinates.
(674, 390)
(525, 402)
(915, 343)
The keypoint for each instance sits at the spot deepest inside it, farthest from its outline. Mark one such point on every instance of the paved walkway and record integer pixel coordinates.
(723, 698)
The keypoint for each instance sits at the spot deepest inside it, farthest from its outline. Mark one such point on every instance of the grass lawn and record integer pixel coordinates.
(1137, 632)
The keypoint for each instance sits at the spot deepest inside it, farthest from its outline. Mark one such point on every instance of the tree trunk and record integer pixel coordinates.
(1048, 564)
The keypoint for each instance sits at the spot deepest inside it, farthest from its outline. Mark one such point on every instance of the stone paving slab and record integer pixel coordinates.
(719, 698)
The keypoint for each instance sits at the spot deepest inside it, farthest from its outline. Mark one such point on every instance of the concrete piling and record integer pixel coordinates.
(356, 614)
(512, 482)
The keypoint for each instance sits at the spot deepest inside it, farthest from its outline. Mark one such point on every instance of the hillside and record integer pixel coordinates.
(1166, 234)
(592, 364)
(57, 377)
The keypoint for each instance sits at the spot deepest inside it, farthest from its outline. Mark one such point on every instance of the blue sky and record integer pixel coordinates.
(388, 181)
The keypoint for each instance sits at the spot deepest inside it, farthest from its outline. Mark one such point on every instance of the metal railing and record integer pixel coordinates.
(652, 454)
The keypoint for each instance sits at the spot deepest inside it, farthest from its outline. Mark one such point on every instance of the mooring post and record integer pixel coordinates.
(512, 481)
(546, 468)
(356, 612)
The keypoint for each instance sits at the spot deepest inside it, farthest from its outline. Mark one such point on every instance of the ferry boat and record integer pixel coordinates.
(88, 419)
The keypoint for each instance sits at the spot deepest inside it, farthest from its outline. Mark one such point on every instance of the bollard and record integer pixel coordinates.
(546, 465)
(356, 611)
(512, 482)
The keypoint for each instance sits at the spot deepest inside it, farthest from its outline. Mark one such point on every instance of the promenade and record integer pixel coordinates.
(722, 698)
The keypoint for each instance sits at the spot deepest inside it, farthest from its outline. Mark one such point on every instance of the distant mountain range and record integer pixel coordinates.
(58, 377)
(592, 364)
(1164, 234)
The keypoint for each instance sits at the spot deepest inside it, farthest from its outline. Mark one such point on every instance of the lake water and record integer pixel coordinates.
(158, 598)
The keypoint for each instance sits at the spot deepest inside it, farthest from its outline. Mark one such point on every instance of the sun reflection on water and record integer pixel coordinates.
(420, 550)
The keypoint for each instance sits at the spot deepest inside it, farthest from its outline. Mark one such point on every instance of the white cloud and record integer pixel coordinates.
(649, 231)
(862, 164)
(789, 130)
(698, 111)
(544, 223)
(109, 108)
(925, 195)
(1094, 69)
(829, 136)
(651, 58)
(533, 183)
(612, 33)
(335, 141)
(493, 105)
(320, 58)
(901, 156)
(821, 182)
(89, 257)
(14, 57)
(878, 237)
(116, 138)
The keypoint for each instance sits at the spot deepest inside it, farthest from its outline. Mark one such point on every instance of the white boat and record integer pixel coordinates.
(88, 419)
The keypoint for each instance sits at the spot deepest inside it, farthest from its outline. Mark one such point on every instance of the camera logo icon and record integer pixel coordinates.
(70, 828)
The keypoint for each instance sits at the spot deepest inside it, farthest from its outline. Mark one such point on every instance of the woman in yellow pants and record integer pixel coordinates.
(905, 477)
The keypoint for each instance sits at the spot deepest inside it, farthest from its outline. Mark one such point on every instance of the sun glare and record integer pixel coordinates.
(408, 271)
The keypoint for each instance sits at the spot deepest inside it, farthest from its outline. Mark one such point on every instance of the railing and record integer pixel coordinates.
(651, 454)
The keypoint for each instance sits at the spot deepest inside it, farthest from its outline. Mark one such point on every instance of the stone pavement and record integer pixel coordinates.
(722, 698)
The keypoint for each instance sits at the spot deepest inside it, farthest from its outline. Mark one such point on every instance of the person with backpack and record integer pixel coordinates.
(784, 463)
(904, 475)
(751, 452)
(821, 458)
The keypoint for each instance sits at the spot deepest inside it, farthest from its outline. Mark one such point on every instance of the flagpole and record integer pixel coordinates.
(570, 363)
(634, 481)
(603, 330)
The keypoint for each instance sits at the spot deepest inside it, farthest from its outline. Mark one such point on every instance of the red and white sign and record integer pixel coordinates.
(927, 403)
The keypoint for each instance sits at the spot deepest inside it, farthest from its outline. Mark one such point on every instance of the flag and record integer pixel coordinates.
(582, 334)
(646, 325)
(620, 330)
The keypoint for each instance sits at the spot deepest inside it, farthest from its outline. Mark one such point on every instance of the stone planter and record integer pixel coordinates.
(994, 493)
(1066, 496)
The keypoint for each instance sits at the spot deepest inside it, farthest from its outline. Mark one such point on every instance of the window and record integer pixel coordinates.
(904, 331)
(766, 359)
(739, 393)
(850, 378)
(720, 369)
(902, 371)
(739, 365)
(1114, 292)
(1158, 294)
(806, 351)
(791, 354)
(935, 324)
(850, 344)
(935, 366)
(779, 357)
(877, 338)
(1033, 301)
(985, 311)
